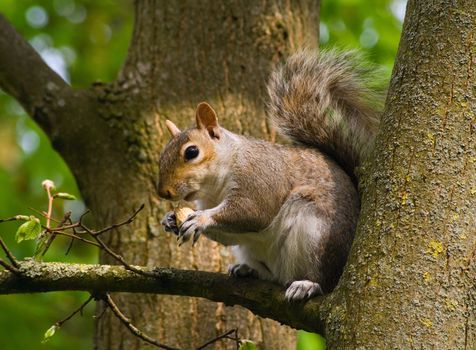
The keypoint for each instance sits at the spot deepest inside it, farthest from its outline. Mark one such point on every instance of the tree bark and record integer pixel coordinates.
(410, 279)
(181, 53)
(263, 298)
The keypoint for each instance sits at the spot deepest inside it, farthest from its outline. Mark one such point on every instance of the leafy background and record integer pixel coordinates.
(86, 41)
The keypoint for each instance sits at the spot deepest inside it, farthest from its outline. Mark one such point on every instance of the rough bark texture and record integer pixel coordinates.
(410, 281)
(263, 298)
(182, 52)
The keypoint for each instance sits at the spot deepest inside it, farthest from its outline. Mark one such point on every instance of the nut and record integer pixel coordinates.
(181, 213)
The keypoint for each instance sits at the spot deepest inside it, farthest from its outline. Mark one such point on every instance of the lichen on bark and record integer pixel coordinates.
(409, 282)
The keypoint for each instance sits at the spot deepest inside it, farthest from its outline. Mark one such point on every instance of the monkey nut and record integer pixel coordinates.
(181, 213)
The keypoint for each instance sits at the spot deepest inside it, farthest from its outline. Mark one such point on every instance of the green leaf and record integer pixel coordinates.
(49, 333)
(29, 230)
(247, 345)
(64, 195)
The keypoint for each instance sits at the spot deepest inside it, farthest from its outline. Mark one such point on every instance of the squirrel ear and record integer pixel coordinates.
(207, 119)
(174, 131)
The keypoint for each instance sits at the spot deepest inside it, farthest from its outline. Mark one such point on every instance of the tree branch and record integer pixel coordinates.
(263, 298)
(134, 330)
(25, 76)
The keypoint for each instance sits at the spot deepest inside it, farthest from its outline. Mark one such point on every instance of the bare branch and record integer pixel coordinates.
(33, 88)
(52, 236)
(9, 267)
(225, 335)
(134, 330)
(70, 245)
(43, 213)
(78, 310)
(79, 238)
(13, 218)
(9, 254)
(263, 298)
(125, 222)
(120, 259)
(81, 218)
(62, 228)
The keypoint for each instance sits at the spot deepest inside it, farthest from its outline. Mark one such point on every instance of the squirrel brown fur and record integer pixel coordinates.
(289, 211)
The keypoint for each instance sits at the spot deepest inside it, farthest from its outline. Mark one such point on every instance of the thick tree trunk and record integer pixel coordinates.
(182, 52)
(410, 281)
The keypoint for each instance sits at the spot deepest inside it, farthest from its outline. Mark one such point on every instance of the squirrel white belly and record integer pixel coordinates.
(289, 211)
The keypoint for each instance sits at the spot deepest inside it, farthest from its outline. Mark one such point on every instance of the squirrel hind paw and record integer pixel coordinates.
(242, 270)
(302, 290)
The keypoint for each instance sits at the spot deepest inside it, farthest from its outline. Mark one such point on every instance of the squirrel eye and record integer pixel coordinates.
(191, 152)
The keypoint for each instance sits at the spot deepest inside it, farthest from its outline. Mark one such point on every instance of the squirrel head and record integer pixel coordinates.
(184, 163)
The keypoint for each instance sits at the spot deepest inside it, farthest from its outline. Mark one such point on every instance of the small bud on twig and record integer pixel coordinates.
(48, 185)
(64, 195)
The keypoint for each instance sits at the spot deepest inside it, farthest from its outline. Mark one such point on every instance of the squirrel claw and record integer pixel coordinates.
(302, 290)
(193, 226)
(196, 236)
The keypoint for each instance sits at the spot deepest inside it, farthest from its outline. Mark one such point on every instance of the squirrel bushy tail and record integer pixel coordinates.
(326, 100)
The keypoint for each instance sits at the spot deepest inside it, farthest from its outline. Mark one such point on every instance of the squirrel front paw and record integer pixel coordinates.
(170, 223)
(193, 226)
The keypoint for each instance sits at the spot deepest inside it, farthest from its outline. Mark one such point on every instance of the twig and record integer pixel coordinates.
(9, 254)
(128, 221)
(52, 236)
(70, 245)
(221, 336)
(82, 217)
(105, 308)
(62, 228)
(43, 213)
(79, 309)
(237, 340)
(95, 234)
(104, 246)
(9, 267)
(50, 206)
(120, 258)
(9, 219)
(73, 237)
(134, 330)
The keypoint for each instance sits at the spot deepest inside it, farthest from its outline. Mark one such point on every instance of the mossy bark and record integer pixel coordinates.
(263, 298)
(410, 280)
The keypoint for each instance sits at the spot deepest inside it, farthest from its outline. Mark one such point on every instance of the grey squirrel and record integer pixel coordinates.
(289, 211)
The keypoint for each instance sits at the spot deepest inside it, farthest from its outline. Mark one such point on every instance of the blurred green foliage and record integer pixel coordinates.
(86, 41)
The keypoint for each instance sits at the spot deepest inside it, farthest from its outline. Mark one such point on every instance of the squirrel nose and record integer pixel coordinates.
(165, 193)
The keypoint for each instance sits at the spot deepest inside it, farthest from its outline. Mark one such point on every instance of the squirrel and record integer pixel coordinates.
(288, 210)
